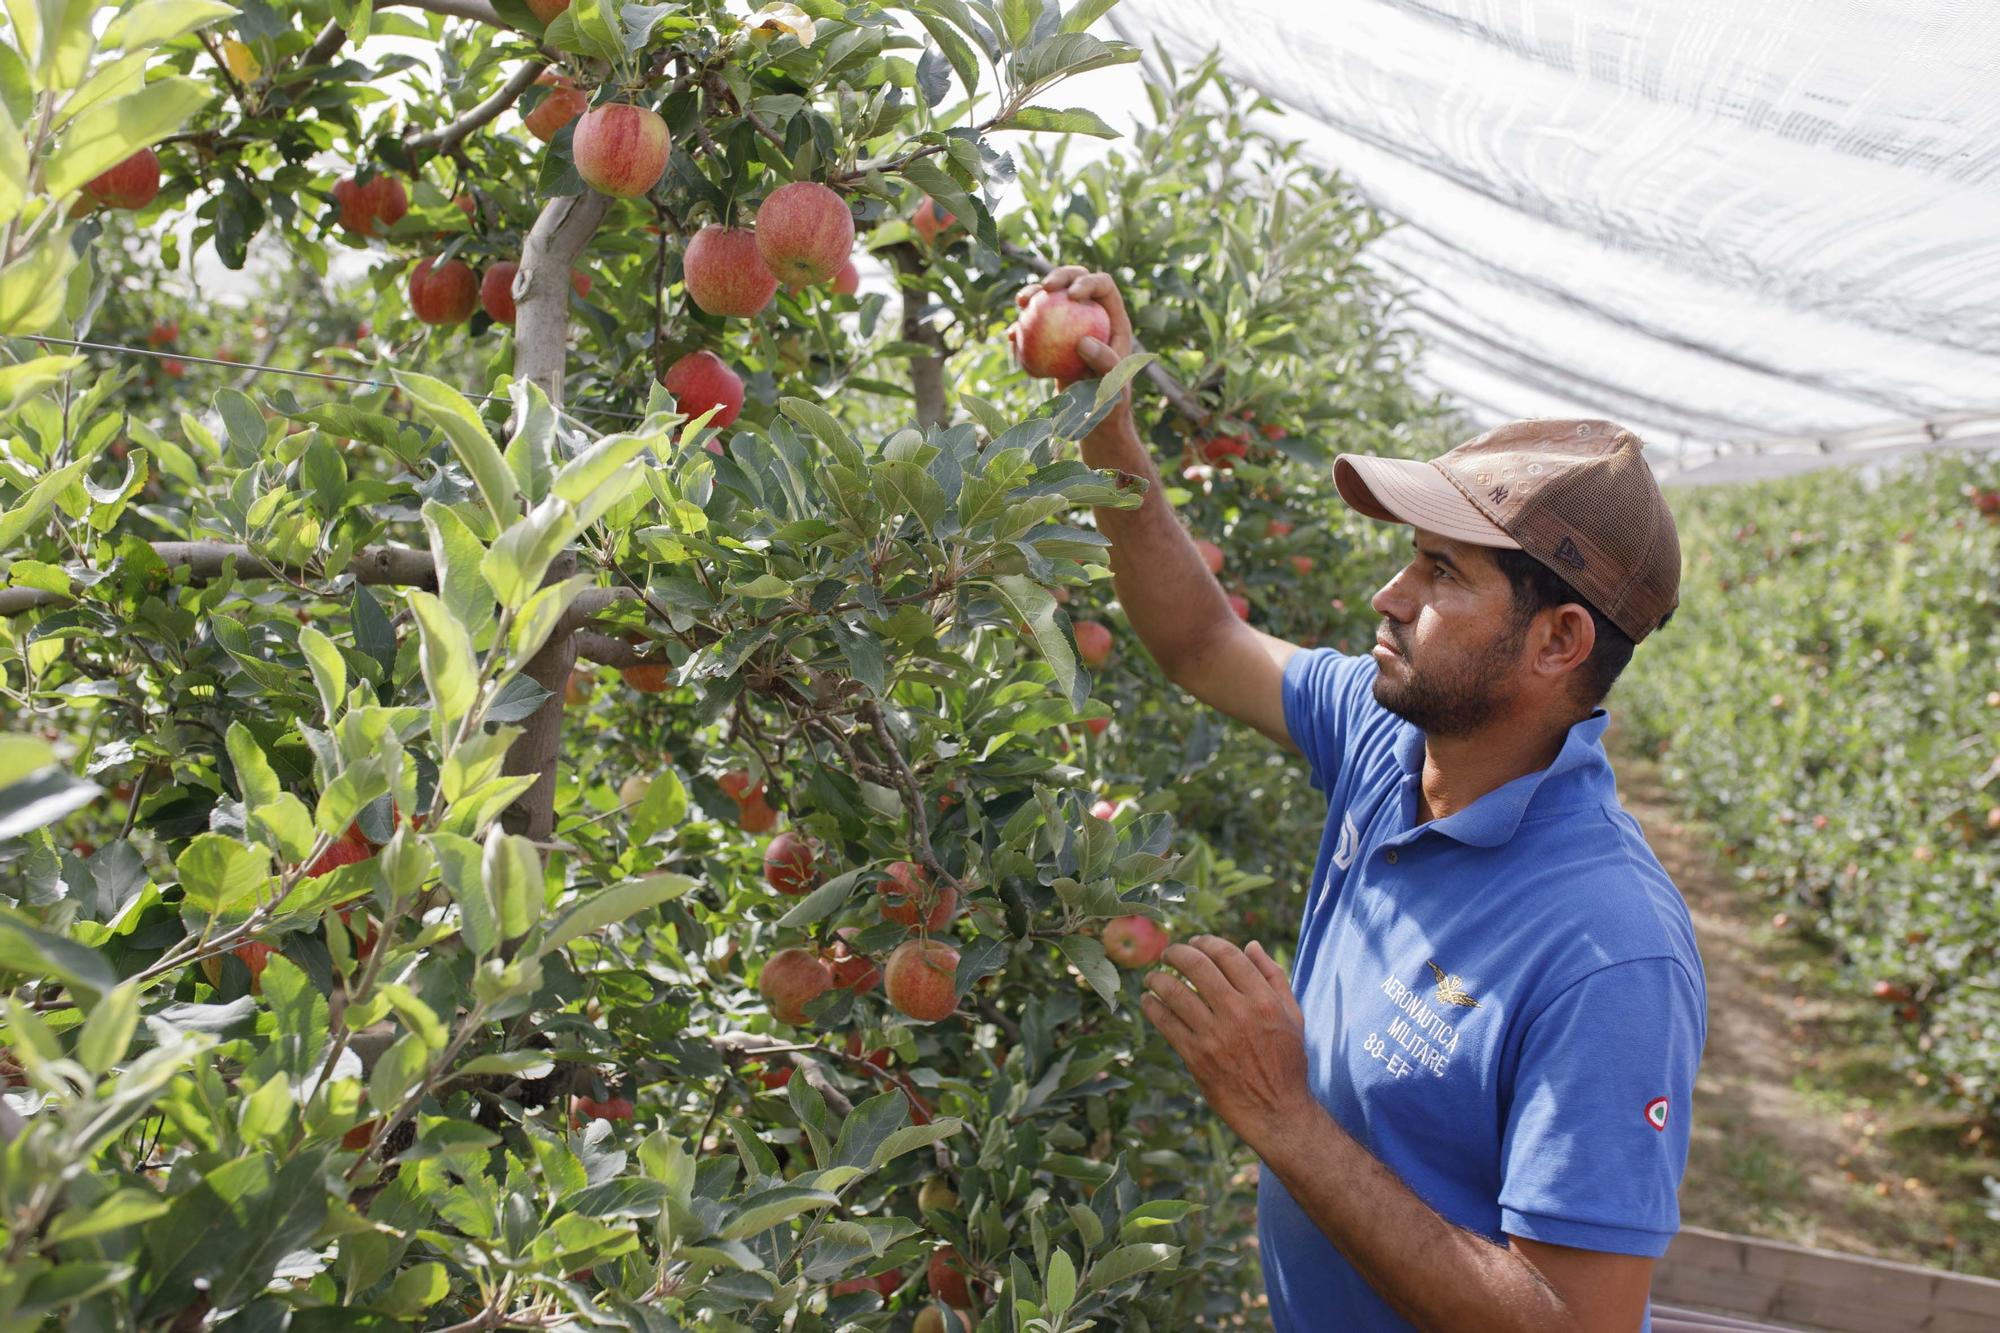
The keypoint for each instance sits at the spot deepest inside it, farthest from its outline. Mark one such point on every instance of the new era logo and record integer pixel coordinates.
(1567, 553)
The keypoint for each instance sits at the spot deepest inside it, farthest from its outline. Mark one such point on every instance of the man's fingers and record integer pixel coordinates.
(1183, 1003)
(1103, 289)
(1097, 356)
(1275, 977)
(1177, 1033)
(1200, 969)
(1232, 962)
(1026, 294)
(1062, 276)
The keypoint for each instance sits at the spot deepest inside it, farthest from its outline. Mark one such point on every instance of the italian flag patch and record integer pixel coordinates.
(1656, 1113)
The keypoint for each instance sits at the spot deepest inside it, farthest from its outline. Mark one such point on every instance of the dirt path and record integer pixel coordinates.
(1803, 1129)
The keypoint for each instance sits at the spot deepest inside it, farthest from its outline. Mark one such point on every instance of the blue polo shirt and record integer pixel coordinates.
(1504, 1006)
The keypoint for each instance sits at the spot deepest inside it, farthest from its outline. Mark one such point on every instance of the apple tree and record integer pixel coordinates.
(377, 958)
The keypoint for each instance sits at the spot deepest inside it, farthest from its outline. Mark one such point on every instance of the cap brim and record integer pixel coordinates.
(1402, 490)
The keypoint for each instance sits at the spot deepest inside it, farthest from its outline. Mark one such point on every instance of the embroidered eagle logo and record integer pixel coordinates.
(1451, 989)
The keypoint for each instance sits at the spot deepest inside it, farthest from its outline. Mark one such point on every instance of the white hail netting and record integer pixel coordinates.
(1716, 221)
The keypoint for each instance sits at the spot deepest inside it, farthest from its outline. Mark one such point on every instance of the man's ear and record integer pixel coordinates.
(1569, 636)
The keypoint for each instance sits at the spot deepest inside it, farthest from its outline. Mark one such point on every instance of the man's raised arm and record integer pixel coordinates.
(1172, 601)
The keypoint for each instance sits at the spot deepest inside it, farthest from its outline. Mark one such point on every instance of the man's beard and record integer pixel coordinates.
(1452, 701)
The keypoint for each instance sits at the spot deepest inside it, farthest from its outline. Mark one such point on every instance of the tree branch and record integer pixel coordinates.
(541, 288)
(926, 372)
(479, 11)
(446, 137)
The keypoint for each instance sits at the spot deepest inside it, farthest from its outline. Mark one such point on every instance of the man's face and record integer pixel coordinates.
(1449, 646)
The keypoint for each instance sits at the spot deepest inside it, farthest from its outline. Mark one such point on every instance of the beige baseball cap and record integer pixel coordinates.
(1576, 495)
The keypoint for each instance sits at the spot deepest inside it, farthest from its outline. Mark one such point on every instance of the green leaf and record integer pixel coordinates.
(933, 180)
(33, 288)
(157, 22)
(38, 954)
(1035, 605)
(459, 860)
(1067, 54)
(760, 1212)
(868, 1126)
(457, 553)
(1121, 375)
(42, 798)
(17, 383)
(1087, 955)
(107, 134)
(516, 563)
(964, 63)
(329, 669)
(447, 409)
(582, 476)
(512, 869)
(1017, 19)
(824, 901)
(1060, 1284)
(118, 1211)
(1084, 13)
(1127, 1261)
(530, 453)
(1048, 120)
(108, 1031)
(910, 1138)
(450, 671)
(21, 755)
(217, 872)
(588, 915)
(13, 190)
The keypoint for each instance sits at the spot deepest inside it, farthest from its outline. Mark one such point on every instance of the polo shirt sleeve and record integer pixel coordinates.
(1322, 691)
(1596, 1138)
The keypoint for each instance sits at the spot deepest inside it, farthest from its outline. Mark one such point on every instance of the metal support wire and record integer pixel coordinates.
(261, 368)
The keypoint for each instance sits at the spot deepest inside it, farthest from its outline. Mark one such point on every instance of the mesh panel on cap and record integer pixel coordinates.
(1602, 529)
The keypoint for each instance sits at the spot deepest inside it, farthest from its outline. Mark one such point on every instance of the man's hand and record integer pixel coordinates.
(1240, 1033)
(1116, 434)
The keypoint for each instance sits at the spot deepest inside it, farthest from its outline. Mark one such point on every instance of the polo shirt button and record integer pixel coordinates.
(1390, 857)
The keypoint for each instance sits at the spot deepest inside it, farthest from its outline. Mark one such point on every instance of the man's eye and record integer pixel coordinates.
(1440, 571)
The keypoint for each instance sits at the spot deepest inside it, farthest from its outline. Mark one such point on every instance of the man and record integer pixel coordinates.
(1471, 1099)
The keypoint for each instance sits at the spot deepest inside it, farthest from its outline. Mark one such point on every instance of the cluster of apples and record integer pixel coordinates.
(920, 976)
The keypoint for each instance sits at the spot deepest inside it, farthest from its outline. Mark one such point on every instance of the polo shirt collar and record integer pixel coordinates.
(1492, 819)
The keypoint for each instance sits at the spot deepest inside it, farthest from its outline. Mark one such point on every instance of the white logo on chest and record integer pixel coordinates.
(1350, 842)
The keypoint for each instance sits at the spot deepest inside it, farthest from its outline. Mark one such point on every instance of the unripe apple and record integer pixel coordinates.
(725, 274)
(1211, 554)
(1223, 450)
(131, 184)
(371, 209)
(804, 232)
(1093, 643)
(1046, 335)
(1240, 605)
(788, 865)
(562, 103)
(701, 380)
(929, 220)
(929, 1320)
(921, 979)
(1135, 941)
(791, 980)
(546, 10)
(947, 1275)
(937, 1194)
(444, 293)
(848, 280)
(620, 149)
(907, 892)
(633, 790)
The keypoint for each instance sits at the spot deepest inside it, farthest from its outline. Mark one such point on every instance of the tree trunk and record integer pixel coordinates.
(541, 347)
(541, 288)
(926, 372)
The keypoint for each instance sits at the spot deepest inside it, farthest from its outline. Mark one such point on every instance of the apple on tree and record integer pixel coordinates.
(620, 149)
(852, 970)
(921, 979)
(444, 293)
(1211, 554)
(1093, 643)
(373, 208)
(908, 897)
(725, 273)
(792, 979)
(804, 233)
(1135, 941)
(562, 103)
(700, 381)
(848, 281)
(929, 221)
(788, 864)
(132, 184)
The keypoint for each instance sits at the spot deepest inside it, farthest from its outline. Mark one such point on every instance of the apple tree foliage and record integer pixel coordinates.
(352, 982)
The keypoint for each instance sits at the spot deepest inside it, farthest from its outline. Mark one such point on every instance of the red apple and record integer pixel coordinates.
(1211, 554)
(1135, 941)
(756, 815)
(1303, 564)
(496, 291)
(611, 1108)
(371, 209)
(852, 971)
(1277, 528)
(132, 184)
(163, 333)
(947, 1275)
(921, 979)
(579, 282)
(1223, 450)
(647, 678)
(929, 220)
(725, 274)
(736, 783)
(1240, 605)
(791, 980)
(444, 293)
(907, 893)
(1093, 643)
(788, 865)
(348, 849)
(620, 149)
(546, 10)
(699, 381)
(173, 367)
(1045, 336)
(1096, 726)
(805, 232)
(848, 280)
(562, 103)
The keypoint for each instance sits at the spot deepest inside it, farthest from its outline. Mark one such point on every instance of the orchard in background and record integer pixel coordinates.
(522, 837)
